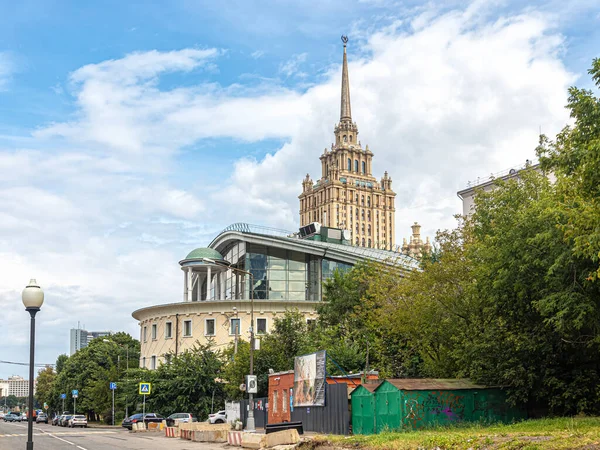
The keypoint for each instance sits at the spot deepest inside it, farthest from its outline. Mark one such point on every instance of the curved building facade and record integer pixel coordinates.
(244, 269)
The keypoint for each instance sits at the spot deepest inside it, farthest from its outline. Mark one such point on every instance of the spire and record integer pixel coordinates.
(345, 111)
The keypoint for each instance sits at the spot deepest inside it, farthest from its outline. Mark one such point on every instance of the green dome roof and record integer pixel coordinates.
(202, 252)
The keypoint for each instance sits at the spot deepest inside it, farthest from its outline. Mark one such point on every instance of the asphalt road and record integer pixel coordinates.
(13, 436)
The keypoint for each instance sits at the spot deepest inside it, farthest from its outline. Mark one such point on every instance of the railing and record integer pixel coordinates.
(503, 173)
(257, 229)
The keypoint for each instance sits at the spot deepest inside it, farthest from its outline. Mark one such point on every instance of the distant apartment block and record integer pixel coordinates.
(486, 184)
(80, 338)
(15, 385)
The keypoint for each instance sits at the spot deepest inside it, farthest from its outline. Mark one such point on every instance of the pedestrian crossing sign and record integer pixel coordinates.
(145, 388)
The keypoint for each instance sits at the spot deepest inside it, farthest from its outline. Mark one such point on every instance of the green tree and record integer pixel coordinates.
(574, 158)
(45, 385)
(60, 363)
(190, 382)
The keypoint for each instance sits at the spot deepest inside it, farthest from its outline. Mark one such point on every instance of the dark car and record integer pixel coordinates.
(55, 419)
(150, 417)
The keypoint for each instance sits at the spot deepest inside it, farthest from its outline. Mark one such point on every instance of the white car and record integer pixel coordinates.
(218, 417)
(181, 418)
(78, 421)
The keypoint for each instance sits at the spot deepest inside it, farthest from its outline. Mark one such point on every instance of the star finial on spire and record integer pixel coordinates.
(345, 113)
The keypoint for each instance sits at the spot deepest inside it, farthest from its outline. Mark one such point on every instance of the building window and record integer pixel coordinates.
(311, 324)
(143, 362)
(362, 200)
(168, 330)
(356, 169)
(275, 400)
(363, 242)
(153, 362)
(364, 167)
(261, 326)
(349, 165)
(362, 214)
(187, 328)
(369, 242)
(145, 334)
(284, 400)
(168, 357)
(369, 216)
(369, 200)
(154, 327)
(345, 138)
(234, 326)
(209, 327)
(357, 241)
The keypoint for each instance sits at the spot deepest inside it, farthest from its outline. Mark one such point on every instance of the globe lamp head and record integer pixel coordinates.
(32, 296)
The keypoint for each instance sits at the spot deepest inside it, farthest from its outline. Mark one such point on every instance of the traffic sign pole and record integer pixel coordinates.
(74, 405)
(63, 410)
(144, 412)
(113, 411)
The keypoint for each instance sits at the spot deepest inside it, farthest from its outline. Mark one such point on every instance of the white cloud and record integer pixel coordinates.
(100, 211)
(291, 68)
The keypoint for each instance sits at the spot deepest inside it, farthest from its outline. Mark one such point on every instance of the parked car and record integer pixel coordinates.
(218, 417)
(55, 419)
(150, 417)
(41, 417)
(180, 418)
(64, 420)
(78, 421)
(12, 417)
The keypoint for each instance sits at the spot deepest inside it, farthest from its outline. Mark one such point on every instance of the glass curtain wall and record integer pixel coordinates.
(278, 274)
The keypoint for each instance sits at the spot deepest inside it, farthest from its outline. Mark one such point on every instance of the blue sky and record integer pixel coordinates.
(133, 132)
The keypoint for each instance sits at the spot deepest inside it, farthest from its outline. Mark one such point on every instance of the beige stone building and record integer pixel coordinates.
(248, 270)
(347, 195)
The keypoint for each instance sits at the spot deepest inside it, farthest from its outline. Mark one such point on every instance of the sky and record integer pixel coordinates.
(133, 132)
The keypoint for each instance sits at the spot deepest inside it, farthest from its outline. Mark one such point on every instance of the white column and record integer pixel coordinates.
(185, 285)
(198, 296)
(189, 284)
(222, 278)
(208, 282)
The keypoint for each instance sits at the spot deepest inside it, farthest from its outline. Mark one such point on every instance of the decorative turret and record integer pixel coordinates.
(416, 247)
(386, 182)
(307, 183)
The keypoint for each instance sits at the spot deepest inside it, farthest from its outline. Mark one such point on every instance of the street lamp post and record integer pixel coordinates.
(250, 424)
(33, 298)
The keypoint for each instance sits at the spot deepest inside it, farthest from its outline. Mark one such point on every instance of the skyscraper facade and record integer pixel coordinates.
(347, 195)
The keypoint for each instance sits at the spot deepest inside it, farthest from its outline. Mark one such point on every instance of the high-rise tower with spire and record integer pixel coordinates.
(347, 195)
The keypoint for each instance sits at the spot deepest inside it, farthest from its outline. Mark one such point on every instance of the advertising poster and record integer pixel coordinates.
(309, 379)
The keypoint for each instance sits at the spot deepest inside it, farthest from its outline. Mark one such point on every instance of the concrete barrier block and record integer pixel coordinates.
(153, 426)
(209, 436)
(284, 437)
(254, 440)
(172, 432)
(234, 438)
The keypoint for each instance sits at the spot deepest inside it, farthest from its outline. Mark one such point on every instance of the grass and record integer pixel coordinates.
(560, 433)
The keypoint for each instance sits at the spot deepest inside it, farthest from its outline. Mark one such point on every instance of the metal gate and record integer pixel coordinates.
(363, 410)
(260, 412)
(333, 418)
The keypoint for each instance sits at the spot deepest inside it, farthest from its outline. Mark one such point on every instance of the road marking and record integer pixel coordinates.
(64, 440)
